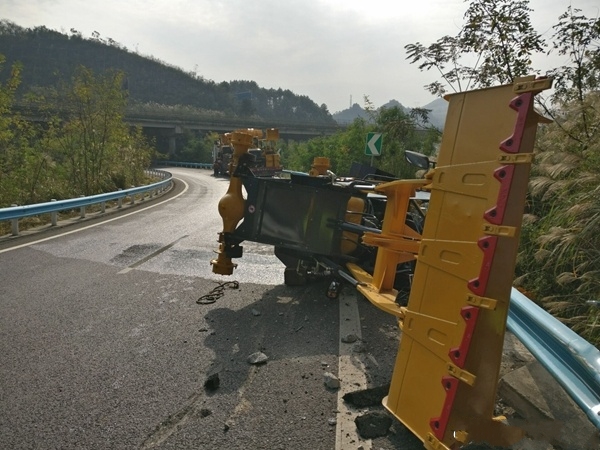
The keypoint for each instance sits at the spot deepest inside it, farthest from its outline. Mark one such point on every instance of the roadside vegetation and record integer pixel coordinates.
(401, 131)
(80, 146)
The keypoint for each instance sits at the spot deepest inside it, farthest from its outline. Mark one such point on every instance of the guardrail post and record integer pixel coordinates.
(132, 197)
(120, 201)
(103, 207)
(82, 209)
(14, 224)
(53, 216)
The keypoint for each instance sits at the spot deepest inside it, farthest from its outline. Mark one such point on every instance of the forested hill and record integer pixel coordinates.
(49, 57)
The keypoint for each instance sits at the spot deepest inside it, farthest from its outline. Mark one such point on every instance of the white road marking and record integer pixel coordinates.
(351, 373)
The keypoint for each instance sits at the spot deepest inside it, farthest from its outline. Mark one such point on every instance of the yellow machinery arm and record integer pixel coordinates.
(231, 205)
(446, 373)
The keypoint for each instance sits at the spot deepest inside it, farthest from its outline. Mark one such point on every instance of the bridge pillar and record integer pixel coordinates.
(172, 145)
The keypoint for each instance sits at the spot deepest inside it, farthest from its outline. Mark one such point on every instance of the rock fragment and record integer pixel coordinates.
(331, 381)
(257, 358)
(367, 397)
(373, 424)
(349, 338)
(213, 381)
(359, 347)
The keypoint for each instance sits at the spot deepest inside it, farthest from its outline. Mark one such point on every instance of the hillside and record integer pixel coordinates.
(49, 57)
(437, 112)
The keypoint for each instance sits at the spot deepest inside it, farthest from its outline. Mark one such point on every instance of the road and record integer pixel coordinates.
(104, 346)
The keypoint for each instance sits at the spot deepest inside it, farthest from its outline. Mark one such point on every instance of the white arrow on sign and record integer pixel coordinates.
(372, 144)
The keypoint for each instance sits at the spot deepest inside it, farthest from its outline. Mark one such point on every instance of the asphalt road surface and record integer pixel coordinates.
(103, 345)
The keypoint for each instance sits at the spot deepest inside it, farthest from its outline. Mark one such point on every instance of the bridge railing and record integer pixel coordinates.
(15, 212)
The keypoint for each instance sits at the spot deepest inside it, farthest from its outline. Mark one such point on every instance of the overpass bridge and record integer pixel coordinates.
(169, 126)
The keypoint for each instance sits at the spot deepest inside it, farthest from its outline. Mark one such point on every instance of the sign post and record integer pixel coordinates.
(373, 145)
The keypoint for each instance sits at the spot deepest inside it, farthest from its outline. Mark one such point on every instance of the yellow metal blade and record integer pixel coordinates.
(446, 373)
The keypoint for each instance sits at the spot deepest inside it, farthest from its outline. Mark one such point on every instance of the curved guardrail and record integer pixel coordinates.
(570, 359)
(14, 213)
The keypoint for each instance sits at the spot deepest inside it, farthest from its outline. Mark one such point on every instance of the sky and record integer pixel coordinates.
(336, 52)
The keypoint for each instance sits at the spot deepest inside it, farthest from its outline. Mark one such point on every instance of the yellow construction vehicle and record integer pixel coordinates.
(456, 267)
(261, 158)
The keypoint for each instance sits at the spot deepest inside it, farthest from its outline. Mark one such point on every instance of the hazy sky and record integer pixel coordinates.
(330, 50)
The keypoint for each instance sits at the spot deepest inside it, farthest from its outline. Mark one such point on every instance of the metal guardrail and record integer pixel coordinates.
(570, 359)
(14, 213)
(184, 164)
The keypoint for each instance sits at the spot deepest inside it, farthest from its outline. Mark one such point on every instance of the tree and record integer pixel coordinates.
(494, 46)
(197, 148)
(95, 142)
(9, 148)
(401, 132)
(577, 37)
(83, 147)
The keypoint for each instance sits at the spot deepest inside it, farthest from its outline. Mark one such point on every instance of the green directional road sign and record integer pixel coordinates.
(373, 146)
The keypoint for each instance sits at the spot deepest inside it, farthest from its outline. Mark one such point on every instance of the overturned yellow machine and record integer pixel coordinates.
(447, 278)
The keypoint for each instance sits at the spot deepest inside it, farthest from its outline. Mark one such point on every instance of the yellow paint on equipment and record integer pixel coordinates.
(231, 205)
(272, 134)
(354, 210)
(446, 372)
(272, 160)
(320, 166)
(397, 243)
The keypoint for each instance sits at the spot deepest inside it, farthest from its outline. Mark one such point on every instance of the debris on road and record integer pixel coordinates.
(331, 381)
(257, 358)
(217, 293)
(373, 424)
(213, 381)
(367, 397)
(349, 338)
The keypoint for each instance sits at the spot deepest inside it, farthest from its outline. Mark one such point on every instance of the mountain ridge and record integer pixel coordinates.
(49, 57)
(437, 112)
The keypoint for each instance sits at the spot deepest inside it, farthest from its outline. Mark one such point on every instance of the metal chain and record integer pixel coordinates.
(217, 293)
